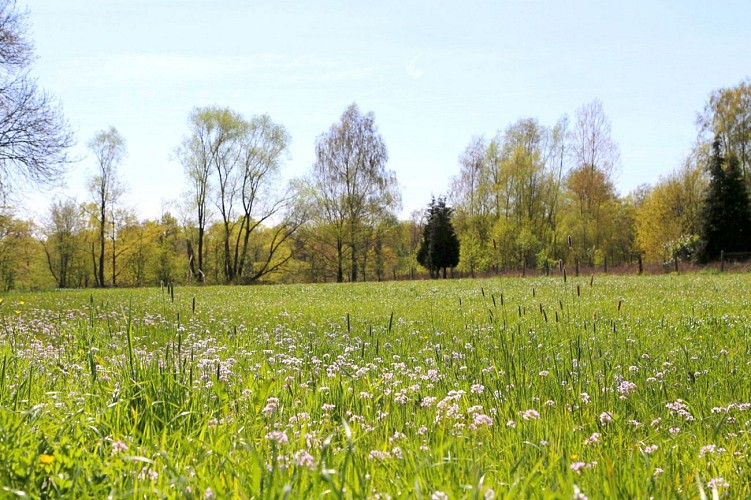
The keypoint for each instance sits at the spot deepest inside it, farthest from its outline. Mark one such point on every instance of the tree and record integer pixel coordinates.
(596, 160)
(239, 162)
(108, 147)
(62, 244)
(671, 211)
(353, 190)
(195, 154)
(507, 187)
(34, 136)
(440, 246)
(726, 214)
(263, 145)
(727, 118)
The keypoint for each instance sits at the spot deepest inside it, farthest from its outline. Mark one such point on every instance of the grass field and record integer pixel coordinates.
(629, 387)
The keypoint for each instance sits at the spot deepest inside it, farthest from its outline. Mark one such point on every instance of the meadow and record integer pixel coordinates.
(603, 387)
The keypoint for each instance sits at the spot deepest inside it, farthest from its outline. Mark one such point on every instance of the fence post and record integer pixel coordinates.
(722, 261)
(576, 261)
(641, 269)
(675, 263)
(606, 265)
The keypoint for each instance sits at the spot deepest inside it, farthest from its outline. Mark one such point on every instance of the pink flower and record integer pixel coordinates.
(530, 414)
(304, 459)
(482, 419)
(717, 482)
(277, 437)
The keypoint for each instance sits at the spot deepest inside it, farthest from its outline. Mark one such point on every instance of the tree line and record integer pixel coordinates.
(532, 197)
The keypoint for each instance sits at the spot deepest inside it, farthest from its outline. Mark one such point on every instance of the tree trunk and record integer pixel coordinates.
(200, 253)
(339, 261)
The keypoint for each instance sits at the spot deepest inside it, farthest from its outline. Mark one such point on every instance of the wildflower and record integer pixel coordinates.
(593, 439)
(650, 449)
(626, 388)
(530, 414)
(482, 419)
(578, 495)
(439, 495)
(578, 466)
(149, 474)
(271, 405)
(584, 397)
(477, 388)
(118, 447)
(46, 459)
(277, 437)
(605, 418)
(657, 472)
(544, 373)
(675, 431)
(379, 455)
(717, 482)
(511, 424)
(304, 459)
(489, 494)
(209, 493)
(710, 448)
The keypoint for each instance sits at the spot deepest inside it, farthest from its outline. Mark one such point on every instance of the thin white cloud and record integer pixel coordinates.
(413, 70)
(170, 69)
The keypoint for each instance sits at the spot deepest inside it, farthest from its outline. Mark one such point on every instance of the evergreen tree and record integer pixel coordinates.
(726, 214)
(439, 248)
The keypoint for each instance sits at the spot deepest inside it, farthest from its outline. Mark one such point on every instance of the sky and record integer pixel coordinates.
(434, 73)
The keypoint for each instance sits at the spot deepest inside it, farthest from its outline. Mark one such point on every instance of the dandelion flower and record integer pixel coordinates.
(46, 459)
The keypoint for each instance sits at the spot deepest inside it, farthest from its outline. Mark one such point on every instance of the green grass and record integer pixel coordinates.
(629, 387)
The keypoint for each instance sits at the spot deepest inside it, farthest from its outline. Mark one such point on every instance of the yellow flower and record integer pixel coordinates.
(21, 302)
(46, 459)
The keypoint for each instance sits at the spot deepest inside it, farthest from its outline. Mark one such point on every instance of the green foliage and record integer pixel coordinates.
(726, 214)
(439, 248)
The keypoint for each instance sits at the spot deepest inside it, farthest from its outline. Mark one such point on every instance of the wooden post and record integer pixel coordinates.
(641, 269)
(576, 261)
(722, 261)
(606, 265)
(675, 263)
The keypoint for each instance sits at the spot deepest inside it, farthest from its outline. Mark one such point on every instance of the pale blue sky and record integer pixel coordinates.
(434, 73)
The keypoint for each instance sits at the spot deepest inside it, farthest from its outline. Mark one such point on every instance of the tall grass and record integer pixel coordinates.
(624, 387)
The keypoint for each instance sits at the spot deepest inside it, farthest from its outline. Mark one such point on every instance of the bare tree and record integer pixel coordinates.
(34, 136)
(352, 185)
(596, 162)
(108, 147)
(263, 145)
